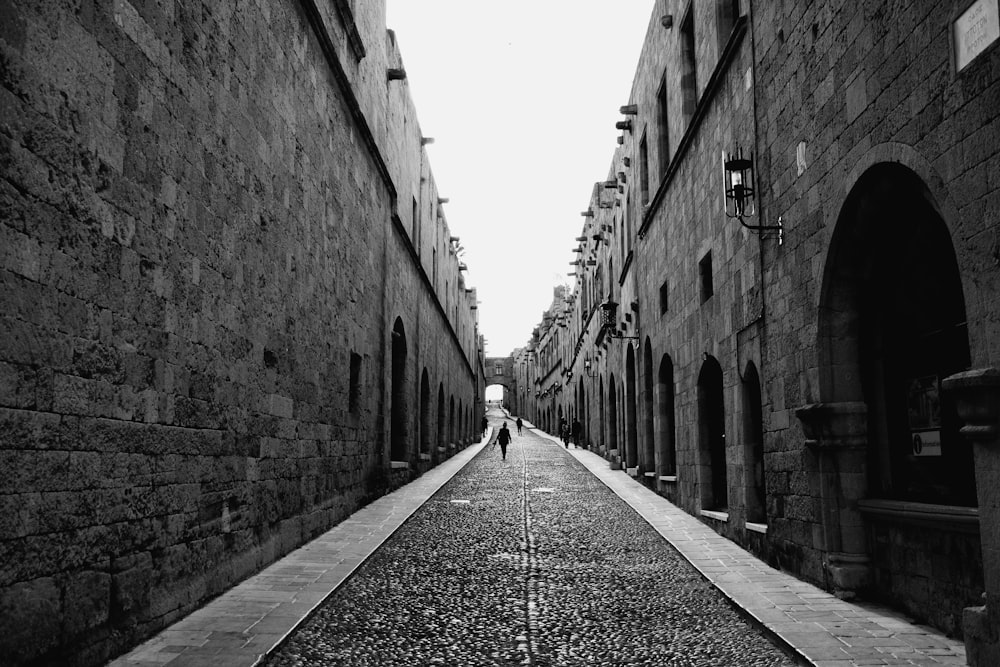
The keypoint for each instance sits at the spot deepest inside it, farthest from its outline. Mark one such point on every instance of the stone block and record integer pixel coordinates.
(30, 613)
(87, 597)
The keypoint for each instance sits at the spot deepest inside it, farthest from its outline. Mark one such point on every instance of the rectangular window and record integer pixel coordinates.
(415, 226)
(727, 12)
(689, 66)
(663, 128)
(498, 369)
(644, 170)
(664, 294)
(354, 390)
(705, 269)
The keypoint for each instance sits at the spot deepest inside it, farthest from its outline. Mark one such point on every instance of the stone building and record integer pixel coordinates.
(231, 310)
(821, 389)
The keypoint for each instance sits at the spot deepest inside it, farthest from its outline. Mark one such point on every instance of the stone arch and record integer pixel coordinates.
(713, 475)
(667, 427)
(631, 423)
(398, 420)
(425, 413)
(891, 325)
(753, 446)
(451, 420)
(648, 432)
(440, 417)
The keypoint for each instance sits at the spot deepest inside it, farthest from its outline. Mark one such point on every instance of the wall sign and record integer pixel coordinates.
(975, 30)
(924, 408)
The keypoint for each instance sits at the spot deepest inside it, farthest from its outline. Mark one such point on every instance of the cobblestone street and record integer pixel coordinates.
(531, 560)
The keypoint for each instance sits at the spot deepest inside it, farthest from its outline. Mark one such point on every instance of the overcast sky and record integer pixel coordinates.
(521, 98)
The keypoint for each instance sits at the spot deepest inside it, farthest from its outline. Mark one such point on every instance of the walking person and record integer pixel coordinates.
(519, 424)
(503, 437)
(484, 425)
(564, 432)
(577, 432)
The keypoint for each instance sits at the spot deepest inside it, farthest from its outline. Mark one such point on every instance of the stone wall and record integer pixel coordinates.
(821, 94)
(201, 206)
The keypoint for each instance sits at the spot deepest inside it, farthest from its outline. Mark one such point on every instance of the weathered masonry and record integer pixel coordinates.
(230, 306)
(825, 390)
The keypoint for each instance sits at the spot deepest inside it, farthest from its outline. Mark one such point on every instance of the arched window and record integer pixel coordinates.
(753, 447)
(442, 438)
(631, 425)
(398, 412)
(712, 436)
(893, 316)
(648, 442)
(425, 413)
(667, 435)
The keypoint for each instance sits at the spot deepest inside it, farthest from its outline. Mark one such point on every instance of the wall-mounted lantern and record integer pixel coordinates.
(609, 320)
(588, 366)
(739, 191)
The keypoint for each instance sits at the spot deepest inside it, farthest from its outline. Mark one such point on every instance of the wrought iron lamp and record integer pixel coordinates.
(740, 192)
(588, 366)
(609, 320)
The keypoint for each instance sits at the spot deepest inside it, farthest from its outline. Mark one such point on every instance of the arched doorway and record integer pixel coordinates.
(631, 425)
(398, 413)
(753, 446)
(891, 326)
(667, 436)
(648, 432)
(451, 420)
(425, 413)
(712, 436)
(601, 415)
(612, 424)
(440, 418)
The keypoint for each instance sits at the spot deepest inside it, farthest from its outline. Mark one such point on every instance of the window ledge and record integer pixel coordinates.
(425, 457)
(757, 527)
(399, 465)
(716, 515)
(668, 478)
(649, 474)
(952, 518)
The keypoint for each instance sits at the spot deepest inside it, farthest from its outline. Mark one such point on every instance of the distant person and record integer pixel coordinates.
(577, 432)
(519, 424)
(564, 432)
(484, 425)
(503, 437)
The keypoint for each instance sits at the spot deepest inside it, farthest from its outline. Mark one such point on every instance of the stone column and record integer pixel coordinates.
(838, 434)
(977, 396)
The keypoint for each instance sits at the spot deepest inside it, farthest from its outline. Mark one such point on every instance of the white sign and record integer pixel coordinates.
(975, 29)
(927, 443)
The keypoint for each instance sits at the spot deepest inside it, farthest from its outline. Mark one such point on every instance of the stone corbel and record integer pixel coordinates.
(835, 425)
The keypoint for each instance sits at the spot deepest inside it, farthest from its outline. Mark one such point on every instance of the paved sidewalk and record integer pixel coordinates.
(241, 626)
(820, 628)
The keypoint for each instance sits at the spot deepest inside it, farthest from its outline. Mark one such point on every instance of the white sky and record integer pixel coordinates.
(521, 98)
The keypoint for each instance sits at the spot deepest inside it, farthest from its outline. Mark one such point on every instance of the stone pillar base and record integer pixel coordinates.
(981, 643)
(849, 574)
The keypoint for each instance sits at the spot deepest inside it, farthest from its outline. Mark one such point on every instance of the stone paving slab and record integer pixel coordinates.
(241, 626)
(821, 629)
